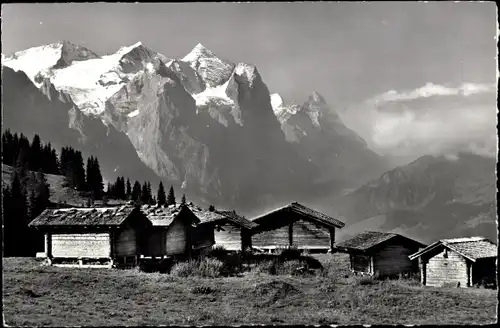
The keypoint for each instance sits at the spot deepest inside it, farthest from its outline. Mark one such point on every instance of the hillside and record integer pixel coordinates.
(428, 199)
(60, 192)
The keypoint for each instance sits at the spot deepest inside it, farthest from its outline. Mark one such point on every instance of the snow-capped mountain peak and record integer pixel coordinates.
(199, 51)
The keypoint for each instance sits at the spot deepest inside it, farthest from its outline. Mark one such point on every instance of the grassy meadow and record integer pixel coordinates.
(36, 295)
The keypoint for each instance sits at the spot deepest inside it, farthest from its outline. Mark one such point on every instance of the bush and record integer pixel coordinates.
(209, 268)
(204, 290)
(184, 269)
(289, 252)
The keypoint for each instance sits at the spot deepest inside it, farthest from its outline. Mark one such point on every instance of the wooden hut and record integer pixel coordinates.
(224, 228)
(295, 225)
(460, 262)
(172, 232)
(380, 253)
(111, 235)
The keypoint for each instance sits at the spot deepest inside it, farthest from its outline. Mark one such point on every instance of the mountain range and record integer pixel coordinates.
(211, 127)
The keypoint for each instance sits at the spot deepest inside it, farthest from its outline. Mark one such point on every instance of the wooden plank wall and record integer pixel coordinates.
(393, 260)
(229, 237)
(156, 242)
(360, 263)
(90, 245)
(126, 242)
(276, 237)
(443, 271)
(307, 234)
(177, 238)
(203, 236)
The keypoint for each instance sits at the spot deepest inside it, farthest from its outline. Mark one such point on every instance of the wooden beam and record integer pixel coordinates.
(332, 239)
(290, 234)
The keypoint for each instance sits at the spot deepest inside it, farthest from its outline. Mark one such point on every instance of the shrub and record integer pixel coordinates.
(206, 267)
(218, 252)
(184, 269)
(210, 268)
(289, 253)
(268, 267)
(204, 290)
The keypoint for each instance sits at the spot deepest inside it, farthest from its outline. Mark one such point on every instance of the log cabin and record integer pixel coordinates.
(224, 228)
(174, 232)
(295, 225)
(459, 262)
(380, 253)
(111, 235)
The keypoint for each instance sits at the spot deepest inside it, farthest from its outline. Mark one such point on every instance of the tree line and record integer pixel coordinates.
(27, 193)
(141, 194)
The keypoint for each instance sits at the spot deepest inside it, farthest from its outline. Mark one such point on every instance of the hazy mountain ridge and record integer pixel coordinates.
(432, 197)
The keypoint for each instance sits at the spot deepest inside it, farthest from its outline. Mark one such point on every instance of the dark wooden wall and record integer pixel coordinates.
(393, 259)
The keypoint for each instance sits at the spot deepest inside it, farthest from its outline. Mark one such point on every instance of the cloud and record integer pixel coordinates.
(432, 119)
(430, 89)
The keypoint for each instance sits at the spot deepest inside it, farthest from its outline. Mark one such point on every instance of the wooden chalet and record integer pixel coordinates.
(380, 253)
(173, 231)
(224, 228)
(295, 225)
(109, 235)
(460, 262)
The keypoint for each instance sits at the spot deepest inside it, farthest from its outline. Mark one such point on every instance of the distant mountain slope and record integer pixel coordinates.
(432, 197)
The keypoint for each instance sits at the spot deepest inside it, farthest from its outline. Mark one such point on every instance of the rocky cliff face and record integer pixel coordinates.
(203, 123)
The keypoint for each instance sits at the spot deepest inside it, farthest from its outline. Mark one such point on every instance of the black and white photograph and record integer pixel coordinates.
(250, 163)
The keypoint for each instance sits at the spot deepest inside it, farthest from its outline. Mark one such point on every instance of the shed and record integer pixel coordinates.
(380, 253)
(172, 230)
(226, 228)
(112, 234)
(295, 225)
(460, 262)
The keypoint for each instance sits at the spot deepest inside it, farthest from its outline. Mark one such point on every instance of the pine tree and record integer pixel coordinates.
(136, 191)
(19, 218)
(99, 185)
(129, 190)
(211, 208)
(183, 200)
(150, 194)
(36, 158)
(32, 212)
(171, 196)
(144, 194)
(161, 197)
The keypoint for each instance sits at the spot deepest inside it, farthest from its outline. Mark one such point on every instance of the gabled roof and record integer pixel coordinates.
(207, 216)
(99, 216)
(369, 239)
(161, 216)
(304, 211)
(473, 248)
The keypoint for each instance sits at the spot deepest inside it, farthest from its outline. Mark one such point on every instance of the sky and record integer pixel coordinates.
(349, 52)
